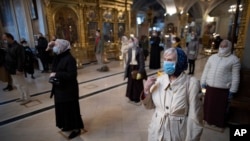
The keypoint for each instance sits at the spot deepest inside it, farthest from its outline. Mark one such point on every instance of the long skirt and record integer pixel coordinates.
(134, 87)
(68, 116)
(215, 106)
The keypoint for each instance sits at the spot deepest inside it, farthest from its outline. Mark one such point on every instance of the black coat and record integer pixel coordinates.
(14, 58)
(155, 53)
(64, 65)
(140, 60)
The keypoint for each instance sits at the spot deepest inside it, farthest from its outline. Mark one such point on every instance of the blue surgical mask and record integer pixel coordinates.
(169, 67)
(56, 50)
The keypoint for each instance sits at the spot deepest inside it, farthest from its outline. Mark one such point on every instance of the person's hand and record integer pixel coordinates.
(150, 81)
(230, 96)
(138, 76)
(53, 74)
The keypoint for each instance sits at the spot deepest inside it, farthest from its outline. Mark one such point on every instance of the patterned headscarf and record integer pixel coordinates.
(181, 64)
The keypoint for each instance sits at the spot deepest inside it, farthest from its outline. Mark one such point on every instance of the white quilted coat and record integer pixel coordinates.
(222, 72)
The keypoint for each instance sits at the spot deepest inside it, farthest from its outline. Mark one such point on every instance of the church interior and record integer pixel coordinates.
(104, 108)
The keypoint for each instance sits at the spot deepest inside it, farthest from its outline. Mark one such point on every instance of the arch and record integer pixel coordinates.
(65, 22)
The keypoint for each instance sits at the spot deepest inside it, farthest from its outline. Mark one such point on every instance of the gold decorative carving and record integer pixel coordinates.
(107, 15)
(239, 49)
(74, 16)
(121, 16)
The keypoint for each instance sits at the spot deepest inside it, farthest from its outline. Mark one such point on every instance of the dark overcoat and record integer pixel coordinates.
(139, 59)
(64, 65)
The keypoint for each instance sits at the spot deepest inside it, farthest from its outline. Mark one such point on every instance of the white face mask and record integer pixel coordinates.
(173, 41)
(224, 51)
(56, 50)
(192, 37)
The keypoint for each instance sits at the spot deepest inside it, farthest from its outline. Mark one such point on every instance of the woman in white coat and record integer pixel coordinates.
(176, 100)
(221, 78)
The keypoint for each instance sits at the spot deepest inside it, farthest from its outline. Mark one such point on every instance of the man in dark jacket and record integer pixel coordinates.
(14, 63)
(4, 75)
(42, 44)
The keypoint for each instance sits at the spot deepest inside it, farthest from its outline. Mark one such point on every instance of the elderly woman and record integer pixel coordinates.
(65, 88)
(220, 77)
(176, 100)
(135, 72)
(192, 52)
(124, 49)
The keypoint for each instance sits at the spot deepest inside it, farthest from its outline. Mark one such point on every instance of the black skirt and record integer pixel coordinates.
(215, 105)
(68, 116)
(134, 87)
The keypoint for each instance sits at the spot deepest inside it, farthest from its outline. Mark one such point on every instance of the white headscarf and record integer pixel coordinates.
(63, 45)
(223, 52)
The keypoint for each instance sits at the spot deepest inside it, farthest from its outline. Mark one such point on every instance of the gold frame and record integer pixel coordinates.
(85, 11)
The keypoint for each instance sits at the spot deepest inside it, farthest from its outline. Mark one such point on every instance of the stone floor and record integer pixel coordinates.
(105, 111)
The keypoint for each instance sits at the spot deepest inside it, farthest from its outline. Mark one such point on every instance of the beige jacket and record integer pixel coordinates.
(178, 110)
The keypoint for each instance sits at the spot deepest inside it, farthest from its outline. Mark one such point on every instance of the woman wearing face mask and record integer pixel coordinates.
(175, 98)
(124, 49)
(220, 77)
(192, 52)
(155, 51)
(136, 64)
(65, 88)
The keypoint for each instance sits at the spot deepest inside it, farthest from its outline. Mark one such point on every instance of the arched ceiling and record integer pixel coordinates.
(196, 8)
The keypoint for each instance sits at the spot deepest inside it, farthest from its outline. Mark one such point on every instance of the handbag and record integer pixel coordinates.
(134, 74)
(54, 80)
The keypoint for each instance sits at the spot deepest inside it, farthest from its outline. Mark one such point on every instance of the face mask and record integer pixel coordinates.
(192, 38)
(173, 42)
(56, 50)
(169, 67)
(224, 51)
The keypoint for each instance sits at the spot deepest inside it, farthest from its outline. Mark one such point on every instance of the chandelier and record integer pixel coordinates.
(232, 8)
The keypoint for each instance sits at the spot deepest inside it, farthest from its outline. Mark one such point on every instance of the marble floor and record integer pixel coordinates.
(104, 108)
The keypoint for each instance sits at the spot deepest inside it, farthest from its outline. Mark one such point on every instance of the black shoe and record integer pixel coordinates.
(32, 77)
(74, 134)
(8, 88)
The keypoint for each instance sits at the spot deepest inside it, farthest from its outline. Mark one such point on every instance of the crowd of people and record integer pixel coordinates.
(175, 94)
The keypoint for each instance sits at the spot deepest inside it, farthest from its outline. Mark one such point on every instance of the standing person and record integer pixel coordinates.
(221, 77)
(14, 62)
(4, 75)
(175, 98)
(124, 50)
(144, 45)
(42, 44)
(66, 91)
(188, 38)
(135, 72)
(155, 51)
(99, 47)
(192, 52)
(29, 59)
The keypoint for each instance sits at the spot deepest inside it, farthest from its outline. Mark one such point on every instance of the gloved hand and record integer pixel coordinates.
(230, 96)
(203, 86)
(138, 76)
